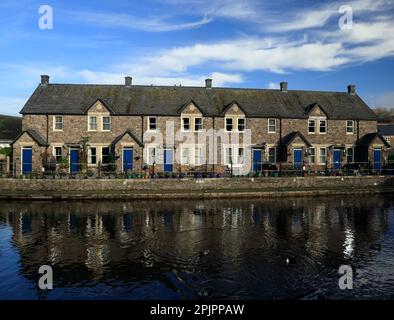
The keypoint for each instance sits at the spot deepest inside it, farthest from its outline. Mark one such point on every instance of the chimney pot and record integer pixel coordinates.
(44, 79)
(283, 86)
(351, 89)
(128, 81)
(208, 83)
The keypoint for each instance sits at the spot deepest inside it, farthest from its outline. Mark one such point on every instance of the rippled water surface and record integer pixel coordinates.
(216, 249)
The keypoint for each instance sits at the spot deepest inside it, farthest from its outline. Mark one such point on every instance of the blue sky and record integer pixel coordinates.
(245, 43)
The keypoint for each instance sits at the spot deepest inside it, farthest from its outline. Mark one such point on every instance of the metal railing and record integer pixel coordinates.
(260, 169)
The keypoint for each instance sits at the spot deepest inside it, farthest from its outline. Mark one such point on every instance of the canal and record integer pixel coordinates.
(290, 248)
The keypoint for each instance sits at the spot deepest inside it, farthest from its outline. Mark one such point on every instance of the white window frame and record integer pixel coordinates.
(312, 155)
(183, 148)
(55, 122)
(90, 156)
(269, 125)
(232, 124)
(227, 161)
(183, 124)
(102, 123)
(268, 154)
(244, 120)
(149, 118)
(347, 154)
(54, 152)
(198, 159)
(326, 126)
(89, 129)
(314, 125)
(320, 155)
(101, 153)
(202, 124)
(149, 159)
(387, 139)
(352, 127)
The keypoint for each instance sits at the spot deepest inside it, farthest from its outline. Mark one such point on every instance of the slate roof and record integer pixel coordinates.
(162, 100)
(386, 129)
(288, 139)
(34, 135)
(366, 140)
(132, 135)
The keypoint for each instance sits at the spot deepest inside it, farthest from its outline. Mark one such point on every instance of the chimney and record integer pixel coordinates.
(127, 81)
(44, 80)
(283, 86)
(208, 83)
(351, 89)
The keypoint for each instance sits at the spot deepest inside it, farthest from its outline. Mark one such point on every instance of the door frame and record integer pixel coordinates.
(340, 158)
(132, 155)
(69, 159)
(172, 159)
(380, 160)
(261, 159)
(294, 163)
(22, 148)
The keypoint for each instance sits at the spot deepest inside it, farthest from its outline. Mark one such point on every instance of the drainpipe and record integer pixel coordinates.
(358, 138)
(47, 139)
(280, 146)
(213, 141)
(142, 141)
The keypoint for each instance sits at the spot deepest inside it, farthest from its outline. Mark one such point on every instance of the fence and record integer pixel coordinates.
(260, 169)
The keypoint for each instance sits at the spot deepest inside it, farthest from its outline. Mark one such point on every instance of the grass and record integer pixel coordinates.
(10, 127)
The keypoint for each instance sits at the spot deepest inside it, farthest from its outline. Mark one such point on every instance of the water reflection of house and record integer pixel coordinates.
(98, 238)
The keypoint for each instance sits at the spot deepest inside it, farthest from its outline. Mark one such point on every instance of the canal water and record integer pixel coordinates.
(216, 249)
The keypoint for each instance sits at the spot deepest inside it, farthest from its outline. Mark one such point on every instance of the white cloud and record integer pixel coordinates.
(11, 105)
(273, 85)
(114, 20)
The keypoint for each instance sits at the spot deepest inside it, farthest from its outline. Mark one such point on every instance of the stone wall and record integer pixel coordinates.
(168, 186)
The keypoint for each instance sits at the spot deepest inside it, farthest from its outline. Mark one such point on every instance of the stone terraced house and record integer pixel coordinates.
(135, 127)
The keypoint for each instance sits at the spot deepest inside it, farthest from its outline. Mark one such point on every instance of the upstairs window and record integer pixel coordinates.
(241, 124)
(311, 126)
(152, 123)
(198, 124)
(185, 123)
(271, 125)
(57, 153)
(229, 124)
(106, 123)
(58, 123)
(350, 127)
(387, 139)
(323, 126)
(92, 123)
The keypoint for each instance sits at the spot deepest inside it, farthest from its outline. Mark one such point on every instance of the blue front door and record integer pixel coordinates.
(127, 160)
(337, 159)
(167, 160)
(377, 159)
(257, 163)
(27, 154)
(298, 159)
(74, 160)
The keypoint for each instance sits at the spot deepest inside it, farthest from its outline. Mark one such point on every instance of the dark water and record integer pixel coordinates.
(184, 249)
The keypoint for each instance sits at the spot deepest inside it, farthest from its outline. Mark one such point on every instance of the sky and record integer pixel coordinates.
(313, 45)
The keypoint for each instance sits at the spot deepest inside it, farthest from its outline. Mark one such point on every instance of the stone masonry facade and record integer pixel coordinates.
(262, 140)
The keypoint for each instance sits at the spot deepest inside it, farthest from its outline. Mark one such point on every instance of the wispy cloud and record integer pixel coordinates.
(272, 85)
(148, 24)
